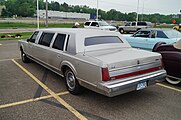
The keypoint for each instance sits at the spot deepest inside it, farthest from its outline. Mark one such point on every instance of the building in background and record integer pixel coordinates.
(66, 15)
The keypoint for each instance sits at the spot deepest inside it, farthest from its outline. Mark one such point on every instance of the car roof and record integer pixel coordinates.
(155, 29)
(80, 31)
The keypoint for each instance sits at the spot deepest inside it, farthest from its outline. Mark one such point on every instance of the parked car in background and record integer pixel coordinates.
(171, 54)
(148, 37)
(99, 24)
(99, 60)
(112, 23)
(133, 26)
(178, 27)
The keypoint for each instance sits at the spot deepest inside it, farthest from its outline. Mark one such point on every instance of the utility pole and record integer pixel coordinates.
(97, 16)
(137, 13)
(37, 14)
(46, 13)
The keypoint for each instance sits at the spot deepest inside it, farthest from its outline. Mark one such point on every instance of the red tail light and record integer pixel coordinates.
(105, 74)
(136, 73)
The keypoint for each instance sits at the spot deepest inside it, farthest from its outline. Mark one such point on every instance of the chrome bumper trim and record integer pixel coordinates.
(121, 86)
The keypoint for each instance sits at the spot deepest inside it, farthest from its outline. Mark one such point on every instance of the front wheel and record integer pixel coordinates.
(72, 84)
(121, 31)
(24, 57)
(173, 81)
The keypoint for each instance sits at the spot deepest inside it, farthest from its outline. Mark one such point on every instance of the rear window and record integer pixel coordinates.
(142, 24)
(102, 40)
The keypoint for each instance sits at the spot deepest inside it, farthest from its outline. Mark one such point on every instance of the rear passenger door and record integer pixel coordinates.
(40, 50)
(56, 51)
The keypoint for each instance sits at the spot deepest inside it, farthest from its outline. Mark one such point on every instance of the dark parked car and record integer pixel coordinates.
(171, 54)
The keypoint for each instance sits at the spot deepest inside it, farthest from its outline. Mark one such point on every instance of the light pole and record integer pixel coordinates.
(137, 13)
(97, 11)
(37, 14)
(46, 13)
(143, 10)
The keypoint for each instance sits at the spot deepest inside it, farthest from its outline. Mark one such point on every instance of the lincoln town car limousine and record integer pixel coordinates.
(101, 61)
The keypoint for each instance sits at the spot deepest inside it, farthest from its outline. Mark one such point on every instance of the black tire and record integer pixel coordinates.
(24, 57)
(157, 45)
(72, 84)
(121, 30)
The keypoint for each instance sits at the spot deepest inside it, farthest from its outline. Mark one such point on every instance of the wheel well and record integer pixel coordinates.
(138, 29)
(64, 68)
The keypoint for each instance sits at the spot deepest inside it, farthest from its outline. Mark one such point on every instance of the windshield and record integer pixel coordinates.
(103, 23)
(173, 34)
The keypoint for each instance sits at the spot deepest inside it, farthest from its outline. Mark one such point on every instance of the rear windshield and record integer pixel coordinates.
(102, 40)
(173, 34)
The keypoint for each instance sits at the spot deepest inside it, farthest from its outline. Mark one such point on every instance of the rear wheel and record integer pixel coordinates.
(72, 84)
(173, 81)
(24, 57)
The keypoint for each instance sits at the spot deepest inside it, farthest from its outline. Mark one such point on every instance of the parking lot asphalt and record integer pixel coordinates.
(24, 98)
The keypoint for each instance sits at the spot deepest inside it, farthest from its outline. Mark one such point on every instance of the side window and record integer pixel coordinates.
(87, 23)
(133, 24)
(59, 42)
(95, 24)
(142, 34)
(142, 24)
(160, 34)
(46, 39)
(33, 37)
(127, 24)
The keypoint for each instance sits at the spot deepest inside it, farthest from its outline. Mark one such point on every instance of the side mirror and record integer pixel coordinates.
(97, 25)
(28, 40)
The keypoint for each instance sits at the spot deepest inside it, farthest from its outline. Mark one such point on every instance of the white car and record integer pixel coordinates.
(99, 60)
(101, 25)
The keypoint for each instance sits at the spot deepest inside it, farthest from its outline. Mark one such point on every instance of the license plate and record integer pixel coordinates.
(141, 85)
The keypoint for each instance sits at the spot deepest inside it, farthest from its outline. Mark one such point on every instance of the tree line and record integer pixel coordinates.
(27, 8)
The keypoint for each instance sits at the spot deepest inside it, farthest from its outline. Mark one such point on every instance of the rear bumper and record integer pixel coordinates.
(120, 86)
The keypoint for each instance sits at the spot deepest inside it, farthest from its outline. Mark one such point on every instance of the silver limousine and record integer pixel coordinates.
(101, 61)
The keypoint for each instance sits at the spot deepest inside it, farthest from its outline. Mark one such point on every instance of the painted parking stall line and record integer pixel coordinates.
(2, 60)
(30, 100)
(60, 100)
(169, 87)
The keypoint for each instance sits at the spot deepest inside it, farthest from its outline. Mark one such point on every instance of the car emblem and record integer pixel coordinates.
(113, 66)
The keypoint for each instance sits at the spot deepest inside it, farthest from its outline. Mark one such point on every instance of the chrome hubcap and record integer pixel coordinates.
(172, 81)
(23, 56)
(70, 80)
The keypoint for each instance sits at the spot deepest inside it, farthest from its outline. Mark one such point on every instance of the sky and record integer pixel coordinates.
(125, 6)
